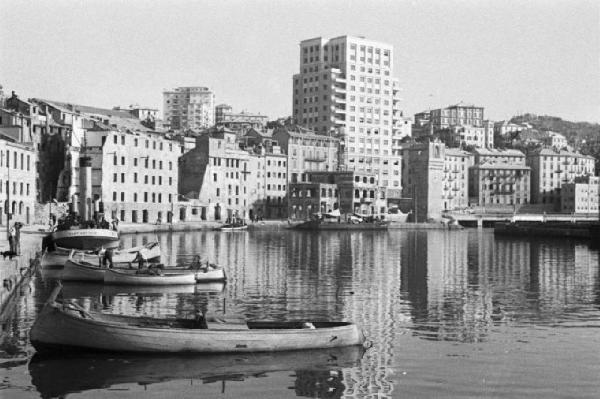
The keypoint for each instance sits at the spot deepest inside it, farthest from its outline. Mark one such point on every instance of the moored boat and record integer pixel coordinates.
(317, 224)
(63, 326)
(82, 271)
(166, 277)
(57, 258)
(85, 239)
(235, 226)
(210, 274)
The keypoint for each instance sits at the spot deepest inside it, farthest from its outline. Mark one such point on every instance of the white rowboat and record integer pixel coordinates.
(68, 326)
(122, 277)
(58, 257)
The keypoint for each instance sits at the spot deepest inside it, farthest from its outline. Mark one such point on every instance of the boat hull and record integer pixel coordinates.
(76, 271)
(59, 329)
(58, 258)
(214, 275)
(320, 226)
(86, 239)
(168, 278)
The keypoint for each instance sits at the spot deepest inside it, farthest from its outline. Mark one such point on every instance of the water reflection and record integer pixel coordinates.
(315, 371)
(403, 287)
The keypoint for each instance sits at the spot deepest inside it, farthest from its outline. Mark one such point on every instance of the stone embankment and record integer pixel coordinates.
(15, 273)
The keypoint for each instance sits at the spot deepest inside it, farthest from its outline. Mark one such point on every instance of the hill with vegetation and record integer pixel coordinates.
(576, 133)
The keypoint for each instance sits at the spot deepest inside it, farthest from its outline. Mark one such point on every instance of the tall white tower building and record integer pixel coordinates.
(189, 108)
(347, 84)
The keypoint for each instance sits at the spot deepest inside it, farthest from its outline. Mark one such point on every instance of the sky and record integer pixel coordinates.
(511, 57)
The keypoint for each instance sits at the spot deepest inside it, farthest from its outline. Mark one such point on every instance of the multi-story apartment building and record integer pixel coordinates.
(581, 196)
(17, 181)
(499, 177)
(218, 174)
(347, 84)
(457, 115)
(269, 194)
(189, 108)
(307, 151)
(455, 194)
(456, 125)
(228, 180)
(134, 175)
(555, 140)
(551, 168)
(348, 191)
(499, 183)
(457, 136)
(239, 122)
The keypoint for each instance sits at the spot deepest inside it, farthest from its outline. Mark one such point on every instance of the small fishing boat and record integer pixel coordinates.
(57, 258)
(321, 224)
(235, 226)
(212, 273)
(82, 271)
(66, 325)
(85, 239)
(149, 276)
(59, 376)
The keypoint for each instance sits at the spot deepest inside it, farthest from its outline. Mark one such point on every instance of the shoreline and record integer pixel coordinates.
(137, 228)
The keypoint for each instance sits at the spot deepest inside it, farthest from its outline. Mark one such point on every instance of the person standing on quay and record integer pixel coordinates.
(11, 239)
(17, 227)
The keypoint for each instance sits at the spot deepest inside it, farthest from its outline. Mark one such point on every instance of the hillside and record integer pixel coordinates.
(575, 132)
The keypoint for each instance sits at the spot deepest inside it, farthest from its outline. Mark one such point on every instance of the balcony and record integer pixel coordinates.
(338, 89)
(339, 100)
(315, 158)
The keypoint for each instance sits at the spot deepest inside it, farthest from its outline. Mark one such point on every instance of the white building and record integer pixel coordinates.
(17, 181)
(134, 176)
(190, 108)
(581, 196)
(347, 84)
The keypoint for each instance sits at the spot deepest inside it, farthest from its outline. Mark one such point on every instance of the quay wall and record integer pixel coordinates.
(15, 273)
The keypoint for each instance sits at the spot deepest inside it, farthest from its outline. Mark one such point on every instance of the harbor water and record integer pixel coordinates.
(452, 314)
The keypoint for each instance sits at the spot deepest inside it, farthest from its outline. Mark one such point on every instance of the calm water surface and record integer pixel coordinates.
(450, 314)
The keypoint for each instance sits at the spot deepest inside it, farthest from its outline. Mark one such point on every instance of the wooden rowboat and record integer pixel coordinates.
(58, 257)
(61, 326)
(58, 376)
(123, 277)
(82, 271)
(232, 227)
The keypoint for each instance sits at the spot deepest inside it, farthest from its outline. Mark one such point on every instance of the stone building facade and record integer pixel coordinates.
(550, 169)
(349, 191)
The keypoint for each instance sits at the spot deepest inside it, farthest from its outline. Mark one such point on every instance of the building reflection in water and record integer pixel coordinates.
(436, 285)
